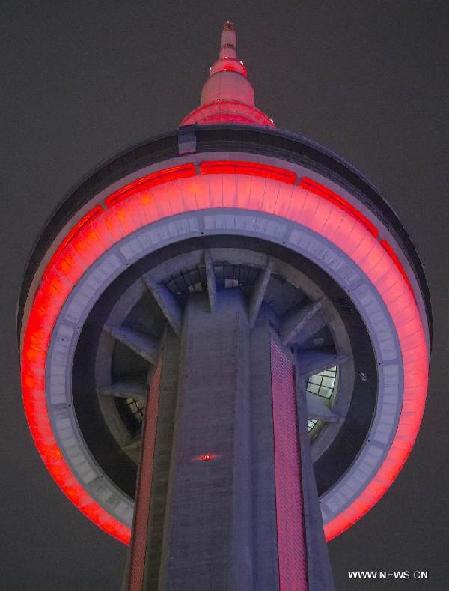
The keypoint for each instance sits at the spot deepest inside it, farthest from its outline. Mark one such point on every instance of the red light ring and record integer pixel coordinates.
(227, 111)
(95, 234)
(319, 189)
(253, 169)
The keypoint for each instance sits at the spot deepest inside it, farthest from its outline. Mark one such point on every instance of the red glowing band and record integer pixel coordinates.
(228, 65)
(250, 168)
(323, 191)
(248, 186)
(151, 180)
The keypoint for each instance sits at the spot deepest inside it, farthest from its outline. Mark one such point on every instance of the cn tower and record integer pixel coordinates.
(224, 339)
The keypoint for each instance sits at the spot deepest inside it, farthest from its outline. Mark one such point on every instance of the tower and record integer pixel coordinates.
(229, 285)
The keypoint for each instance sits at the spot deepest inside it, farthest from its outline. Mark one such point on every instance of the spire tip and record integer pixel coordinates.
(227, 96)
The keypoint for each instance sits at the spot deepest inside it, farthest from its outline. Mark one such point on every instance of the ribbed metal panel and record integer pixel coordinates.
(289, 500)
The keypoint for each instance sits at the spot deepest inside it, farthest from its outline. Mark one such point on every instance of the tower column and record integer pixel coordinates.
(224, 499)
(207, 533)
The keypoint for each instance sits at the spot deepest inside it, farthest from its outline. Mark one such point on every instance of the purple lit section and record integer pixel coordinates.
(289, 500)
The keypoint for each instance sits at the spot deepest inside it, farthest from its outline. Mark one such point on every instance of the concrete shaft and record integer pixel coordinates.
(232, 503)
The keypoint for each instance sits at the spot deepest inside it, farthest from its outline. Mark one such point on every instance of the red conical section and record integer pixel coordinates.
(228, 96)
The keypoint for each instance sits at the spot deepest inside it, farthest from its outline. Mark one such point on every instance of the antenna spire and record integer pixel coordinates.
(228, 96)
(228, 48)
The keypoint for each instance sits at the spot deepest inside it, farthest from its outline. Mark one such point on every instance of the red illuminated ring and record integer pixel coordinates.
(181, 189)
(223, 111)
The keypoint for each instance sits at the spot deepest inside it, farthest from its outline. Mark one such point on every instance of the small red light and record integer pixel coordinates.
(207, 457)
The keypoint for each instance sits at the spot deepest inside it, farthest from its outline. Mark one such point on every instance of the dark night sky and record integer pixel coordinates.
(82, 80)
